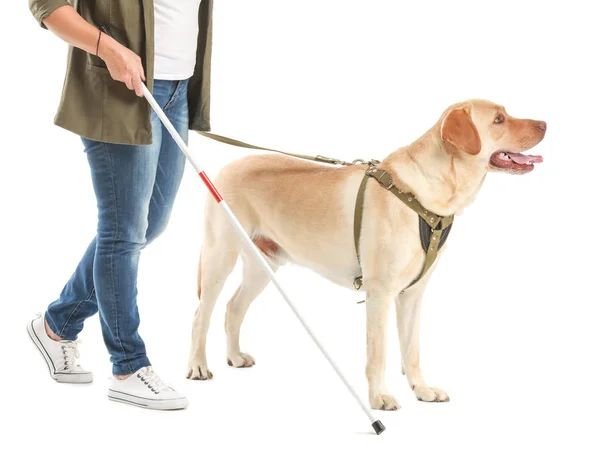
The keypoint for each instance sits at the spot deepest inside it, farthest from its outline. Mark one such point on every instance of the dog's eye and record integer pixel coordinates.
(499, 119)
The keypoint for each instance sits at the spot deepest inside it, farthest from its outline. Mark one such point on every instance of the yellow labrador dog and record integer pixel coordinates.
(303, 213)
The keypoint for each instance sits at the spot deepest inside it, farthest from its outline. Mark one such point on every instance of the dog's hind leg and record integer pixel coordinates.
(219, 255)
(254, 281)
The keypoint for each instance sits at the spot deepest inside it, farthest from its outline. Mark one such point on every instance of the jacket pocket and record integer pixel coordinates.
(101, 70)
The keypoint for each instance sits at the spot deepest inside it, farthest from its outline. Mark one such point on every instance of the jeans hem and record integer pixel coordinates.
(66, 332)
(131, 366)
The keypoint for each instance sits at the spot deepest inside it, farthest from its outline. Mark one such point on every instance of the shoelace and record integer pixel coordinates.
(149, 377)
(70, 355)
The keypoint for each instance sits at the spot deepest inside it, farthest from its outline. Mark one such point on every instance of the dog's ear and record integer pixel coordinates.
(458, 129)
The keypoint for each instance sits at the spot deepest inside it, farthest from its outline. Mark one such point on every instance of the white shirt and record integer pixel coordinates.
(175, 38)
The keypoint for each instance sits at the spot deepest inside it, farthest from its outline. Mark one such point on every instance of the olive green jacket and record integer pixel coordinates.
(95, 106)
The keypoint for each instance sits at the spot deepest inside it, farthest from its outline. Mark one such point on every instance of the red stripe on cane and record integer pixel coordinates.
(212, 189)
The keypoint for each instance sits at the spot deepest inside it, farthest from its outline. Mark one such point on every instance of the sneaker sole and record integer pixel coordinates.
(147, 403)
(71, 378)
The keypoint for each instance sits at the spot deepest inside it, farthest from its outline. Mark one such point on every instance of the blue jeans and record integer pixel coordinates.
(135, 188)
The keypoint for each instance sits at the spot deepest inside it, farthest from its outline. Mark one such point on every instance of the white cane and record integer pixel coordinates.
(376, 424)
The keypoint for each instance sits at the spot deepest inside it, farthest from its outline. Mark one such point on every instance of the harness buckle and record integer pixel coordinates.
(390, 183)
(371, 172)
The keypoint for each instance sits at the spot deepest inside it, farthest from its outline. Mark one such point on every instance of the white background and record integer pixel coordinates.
(510, 320)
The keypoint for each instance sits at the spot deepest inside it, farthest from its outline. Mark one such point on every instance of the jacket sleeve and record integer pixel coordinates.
(42, 8)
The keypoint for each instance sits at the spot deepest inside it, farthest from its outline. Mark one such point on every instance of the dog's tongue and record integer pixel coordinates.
(524, 158)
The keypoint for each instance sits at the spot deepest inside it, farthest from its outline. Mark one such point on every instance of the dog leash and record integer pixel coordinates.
(241, 144)
(433, 228)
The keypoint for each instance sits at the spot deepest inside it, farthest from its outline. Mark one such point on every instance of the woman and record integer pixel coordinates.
(136, 168)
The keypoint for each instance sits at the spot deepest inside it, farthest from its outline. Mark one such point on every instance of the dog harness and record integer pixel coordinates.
(433, 228)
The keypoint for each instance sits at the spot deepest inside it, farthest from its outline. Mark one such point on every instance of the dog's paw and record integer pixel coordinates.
(240, 360)
(430, 394)
(198, 372)
(384, 402)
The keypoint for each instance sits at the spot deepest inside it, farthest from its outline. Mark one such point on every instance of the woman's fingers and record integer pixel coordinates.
(141, 69)
(129, 82)
(137, 83)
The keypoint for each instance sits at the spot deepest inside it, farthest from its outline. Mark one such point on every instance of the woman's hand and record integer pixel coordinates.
(123, 64)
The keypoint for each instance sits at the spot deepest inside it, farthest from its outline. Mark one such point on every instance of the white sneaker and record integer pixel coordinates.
(145, 389)
(60, 356)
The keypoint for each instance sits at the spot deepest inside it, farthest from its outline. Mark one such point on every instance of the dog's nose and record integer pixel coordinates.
(541, 125)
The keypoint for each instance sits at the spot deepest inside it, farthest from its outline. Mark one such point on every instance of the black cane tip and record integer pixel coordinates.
(378, 427)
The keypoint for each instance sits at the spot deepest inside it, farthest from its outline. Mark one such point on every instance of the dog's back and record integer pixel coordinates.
(267, 192)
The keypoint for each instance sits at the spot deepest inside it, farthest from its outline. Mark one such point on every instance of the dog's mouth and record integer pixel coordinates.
(513, 162)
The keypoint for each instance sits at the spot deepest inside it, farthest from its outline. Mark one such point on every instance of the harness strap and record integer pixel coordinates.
(358, 215)
(386, 181)
(438, 225)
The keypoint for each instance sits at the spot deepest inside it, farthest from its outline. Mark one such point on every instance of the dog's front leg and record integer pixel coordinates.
(408, 311)
(378, 307)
